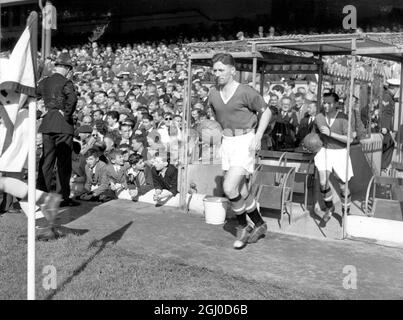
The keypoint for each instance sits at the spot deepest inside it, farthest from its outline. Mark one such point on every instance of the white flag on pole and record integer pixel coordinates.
(17, 83)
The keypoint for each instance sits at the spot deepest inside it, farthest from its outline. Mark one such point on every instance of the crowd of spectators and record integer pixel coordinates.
(129, 118)
(130, 110)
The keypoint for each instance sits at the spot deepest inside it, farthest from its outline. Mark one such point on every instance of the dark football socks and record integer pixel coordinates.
(242, 220)
(256, 217)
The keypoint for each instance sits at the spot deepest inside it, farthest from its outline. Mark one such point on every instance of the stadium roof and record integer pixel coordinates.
(3, 2)
(273, 60)
(387, 46)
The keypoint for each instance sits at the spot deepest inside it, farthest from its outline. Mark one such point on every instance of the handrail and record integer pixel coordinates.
(369, 214)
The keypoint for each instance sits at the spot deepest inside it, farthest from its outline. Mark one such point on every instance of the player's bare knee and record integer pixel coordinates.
(231, 193)
(230, 190)
(323, 180)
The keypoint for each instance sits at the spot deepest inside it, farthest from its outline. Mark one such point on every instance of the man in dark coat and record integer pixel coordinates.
(57, 128)
(387, 111)
(387, 106)
(308, 123)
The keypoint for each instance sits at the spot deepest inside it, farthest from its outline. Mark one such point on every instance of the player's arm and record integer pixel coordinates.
(263, 123)
(258, 105)
(339, 137)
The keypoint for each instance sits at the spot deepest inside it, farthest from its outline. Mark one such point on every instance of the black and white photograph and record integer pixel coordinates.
(201, 155)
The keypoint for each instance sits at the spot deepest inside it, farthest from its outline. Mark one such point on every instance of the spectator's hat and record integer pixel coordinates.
(84, 129)
(128, 122)
(393, 82)
(64, 60)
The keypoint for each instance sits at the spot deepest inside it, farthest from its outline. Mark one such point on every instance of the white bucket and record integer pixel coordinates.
(215, 209)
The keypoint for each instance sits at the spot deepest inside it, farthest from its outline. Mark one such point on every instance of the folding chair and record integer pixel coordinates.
(273, 188)
(270, 155)
(385, 202)
(305, 170)
(396, 168)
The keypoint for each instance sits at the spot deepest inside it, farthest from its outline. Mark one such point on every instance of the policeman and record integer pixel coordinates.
(387, 107)
(57, 128)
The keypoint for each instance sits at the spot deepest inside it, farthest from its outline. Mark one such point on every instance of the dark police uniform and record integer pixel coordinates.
(57, 131)
(387, 110)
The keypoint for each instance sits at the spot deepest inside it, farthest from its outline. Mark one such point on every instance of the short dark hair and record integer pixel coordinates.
(139, 138)
(334, 95)
(202, 113)
(147, 116)
(278, 87)
(165, 98)
(101, 126)
(135, 158)
(98, 110)
(224, 58)
(124, 146)
(92, 152)
(142, 110)
(291, 83)
(113, 115)
(299, 95)
(205, 89)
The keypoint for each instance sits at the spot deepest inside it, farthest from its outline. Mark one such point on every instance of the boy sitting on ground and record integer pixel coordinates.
(114, 177)
(94, 171)
(139, 175)
(165, 179)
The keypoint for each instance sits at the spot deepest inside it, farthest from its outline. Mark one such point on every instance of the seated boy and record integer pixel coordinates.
(94, 171)
(114, 177)
(165, 179)
(139, 175)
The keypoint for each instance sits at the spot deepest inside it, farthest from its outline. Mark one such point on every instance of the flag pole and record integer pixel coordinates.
(350, 110)
(33, 23)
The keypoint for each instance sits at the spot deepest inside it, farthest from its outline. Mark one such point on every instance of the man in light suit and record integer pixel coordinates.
(300, 107)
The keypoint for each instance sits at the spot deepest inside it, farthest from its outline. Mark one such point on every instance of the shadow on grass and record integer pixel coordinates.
(112, 238)
(230, 226)
(69, 214)
(64, 231)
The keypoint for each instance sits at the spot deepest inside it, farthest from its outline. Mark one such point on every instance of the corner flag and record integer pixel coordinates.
(17, 83)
